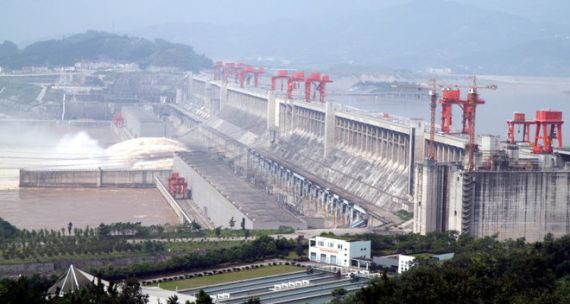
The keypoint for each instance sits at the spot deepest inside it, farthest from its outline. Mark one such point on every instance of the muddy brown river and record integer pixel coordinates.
(54, 208)
(66, 145)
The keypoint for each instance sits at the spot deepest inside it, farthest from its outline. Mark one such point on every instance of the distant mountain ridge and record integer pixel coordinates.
(416, 35)
(103, 46)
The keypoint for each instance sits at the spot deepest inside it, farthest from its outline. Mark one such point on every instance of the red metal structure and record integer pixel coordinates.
(229, 70)
(293, 83)
(469, 111)
(433, 107)
(118, 119)
(449, 98)
(469, 107)
(550, 122)
(452, 96)
(519, 119)
(177, 186)
(281, 75)
(548, 127)
(238, 70)
(322, 87)
(256, 75)
(218, 70)
(245, 74)
(314, 78)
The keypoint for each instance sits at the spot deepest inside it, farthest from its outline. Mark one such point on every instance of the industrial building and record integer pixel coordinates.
(338, 252)
(225, 197)
(397, 262)
(511, 203)
(142, 123)
(302, 286)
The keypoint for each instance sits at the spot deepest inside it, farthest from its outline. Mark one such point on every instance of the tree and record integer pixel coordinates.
(195, 226)
(338, 295)
(132, 293)
(243, 223)
(172, 300)
(218, 231)
(69, 227)
(232, 222)
(299, 247)
(254, 300)
(203, 298)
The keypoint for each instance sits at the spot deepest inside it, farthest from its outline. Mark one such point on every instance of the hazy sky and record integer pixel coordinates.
(26, 20)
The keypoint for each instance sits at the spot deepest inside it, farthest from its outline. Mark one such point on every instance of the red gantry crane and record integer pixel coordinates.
(322, 87)
(229, 70)
(313, 79)
(245, 75)
(257, 75)
(320, 82)
(218, 70)
(281, 76)
(551, 124)
(452, 96)
(293, 82)
(548, 128)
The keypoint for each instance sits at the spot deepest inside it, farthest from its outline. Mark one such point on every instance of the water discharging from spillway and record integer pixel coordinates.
(144, 153)
(81, 151)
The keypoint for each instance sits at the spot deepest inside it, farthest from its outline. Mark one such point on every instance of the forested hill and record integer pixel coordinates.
(102, 46)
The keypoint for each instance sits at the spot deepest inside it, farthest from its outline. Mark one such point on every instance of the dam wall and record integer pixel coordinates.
(510, 204)
(513, 204)
(368, 157)
(91, 178)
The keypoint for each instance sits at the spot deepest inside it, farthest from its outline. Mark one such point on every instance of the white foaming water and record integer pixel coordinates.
(144, 152)
(80, 151)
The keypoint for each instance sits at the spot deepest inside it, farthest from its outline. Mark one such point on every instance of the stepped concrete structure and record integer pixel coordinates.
(354, 168)
(346, 166)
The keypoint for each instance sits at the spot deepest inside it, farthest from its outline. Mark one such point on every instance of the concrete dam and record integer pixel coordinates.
(321, 160)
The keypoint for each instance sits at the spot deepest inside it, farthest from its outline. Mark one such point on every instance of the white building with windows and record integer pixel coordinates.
(338, 252)
(395, 262)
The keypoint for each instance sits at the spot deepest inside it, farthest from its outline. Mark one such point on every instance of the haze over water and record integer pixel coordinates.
(515, 94)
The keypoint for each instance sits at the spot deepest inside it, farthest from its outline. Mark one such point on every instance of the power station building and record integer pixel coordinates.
(141, 123)
(338, 252)
(510, 203)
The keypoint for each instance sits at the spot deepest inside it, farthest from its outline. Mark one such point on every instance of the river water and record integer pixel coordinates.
(514, 94)
(61, 145)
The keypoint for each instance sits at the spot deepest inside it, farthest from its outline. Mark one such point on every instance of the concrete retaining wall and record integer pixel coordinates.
(211, 202)
(517, 204)
(91, 178)
(510, 204)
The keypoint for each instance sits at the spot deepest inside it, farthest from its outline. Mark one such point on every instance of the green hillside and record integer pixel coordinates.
(92, 46)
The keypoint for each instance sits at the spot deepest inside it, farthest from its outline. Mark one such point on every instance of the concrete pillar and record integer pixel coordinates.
(271, 111)
(223, 95)
(330, 129)
(430, 198)
(293, 124)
